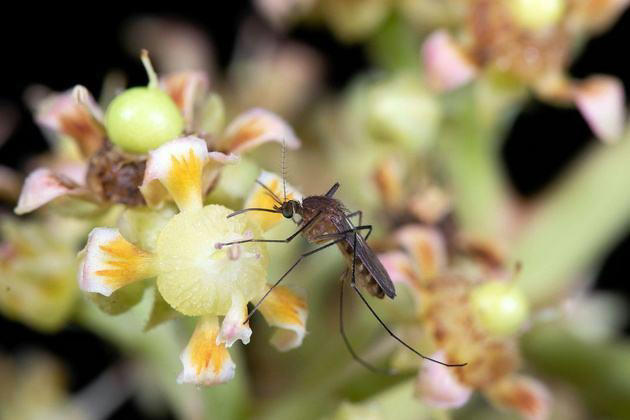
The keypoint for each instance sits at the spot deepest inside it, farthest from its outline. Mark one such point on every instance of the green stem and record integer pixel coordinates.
(599, 371)
(472, 161)
(574, 223)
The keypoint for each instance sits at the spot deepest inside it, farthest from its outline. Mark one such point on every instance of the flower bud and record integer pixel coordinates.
(500, 307)
(537, 14)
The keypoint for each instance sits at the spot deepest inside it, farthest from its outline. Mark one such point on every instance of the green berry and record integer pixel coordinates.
(500, 307)
(142, 118)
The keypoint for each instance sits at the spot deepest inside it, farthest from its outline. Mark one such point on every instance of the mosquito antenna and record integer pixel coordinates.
(356, 289)
(342, 330)
(273, 195)
(284, 168)
(236, 213)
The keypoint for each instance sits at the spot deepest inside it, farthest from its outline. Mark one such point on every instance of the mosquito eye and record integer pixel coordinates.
(287, 212)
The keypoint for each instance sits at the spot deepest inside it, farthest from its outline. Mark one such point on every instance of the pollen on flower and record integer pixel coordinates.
(194, 276)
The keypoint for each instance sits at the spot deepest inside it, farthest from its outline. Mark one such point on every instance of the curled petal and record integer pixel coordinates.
(234, 327)
(74, 113)
(262, 198)
(528, 397)
(426, 247)
(42, 186)
(399, 268)
(255, 127)
(600, 100)
(111, 262)
(438, 386)
(388, 179)
(185, 88)
(284, 309)
(176, 167)
(206, 362)
(431, 205)
(447, 66)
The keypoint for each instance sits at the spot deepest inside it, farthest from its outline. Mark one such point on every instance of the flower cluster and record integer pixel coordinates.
(143, 173)
(530, 43)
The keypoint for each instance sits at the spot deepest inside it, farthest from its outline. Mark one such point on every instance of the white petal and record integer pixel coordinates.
(601, 101)
(446, 65)
(111, 262)
(255, 127)
(41, 187)
(233, 327)
(438, 387)
(205, 362)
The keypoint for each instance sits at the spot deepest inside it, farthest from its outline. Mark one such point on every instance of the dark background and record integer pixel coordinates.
(59, 49)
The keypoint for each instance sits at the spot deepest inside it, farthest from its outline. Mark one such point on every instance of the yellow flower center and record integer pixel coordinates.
(197, 278)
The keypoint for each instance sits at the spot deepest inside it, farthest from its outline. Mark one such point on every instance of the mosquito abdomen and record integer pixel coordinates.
(362, 275)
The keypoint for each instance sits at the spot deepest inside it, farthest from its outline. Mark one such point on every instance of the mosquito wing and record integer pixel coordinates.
(367, 257)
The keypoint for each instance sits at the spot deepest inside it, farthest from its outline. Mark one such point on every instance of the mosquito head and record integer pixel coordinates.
(288, 208)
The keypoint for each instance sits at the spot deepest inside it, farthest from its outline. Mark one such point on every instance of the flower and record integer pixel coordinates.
(103, 174)
(454, 325)
(531, 42)
(193, 275)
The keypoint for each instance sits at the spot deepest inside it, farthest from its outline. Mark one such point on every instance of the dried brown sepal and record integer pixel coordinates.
(114, 176)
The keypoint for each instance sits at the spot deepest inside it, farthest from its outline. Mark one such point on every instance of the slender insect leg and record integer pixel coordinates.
(287, 240)
(342, 330)
(360, 214)
(355, 213)
(345, 232)
(356, 289)
(273, 286)
(332, 190)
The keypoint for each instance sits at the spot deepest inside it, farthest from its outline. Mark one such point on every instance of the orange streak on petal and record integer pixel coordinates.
(184, 181)
(131, 262)
(282, 307)
(205, 353)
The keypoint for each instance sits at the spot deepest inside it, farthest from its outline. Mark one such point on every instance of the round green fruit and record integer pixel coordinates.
(500, 307)
(142, 118)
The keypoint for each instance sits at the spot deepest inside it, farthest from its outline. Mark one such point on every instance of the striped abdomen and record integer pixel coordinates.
(362, 275)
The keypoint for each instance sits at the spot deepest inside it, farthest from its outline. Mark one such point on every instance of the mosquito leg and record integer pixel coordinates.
(342, 330)
(356, 289)
(360, 214)
(220, 245)
(299, 260)
(332, 190)
(344, 233)
(355, 213)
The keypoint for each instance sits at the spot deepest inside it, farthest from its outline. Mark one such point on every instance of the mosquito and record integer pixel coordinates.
(325, 221)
